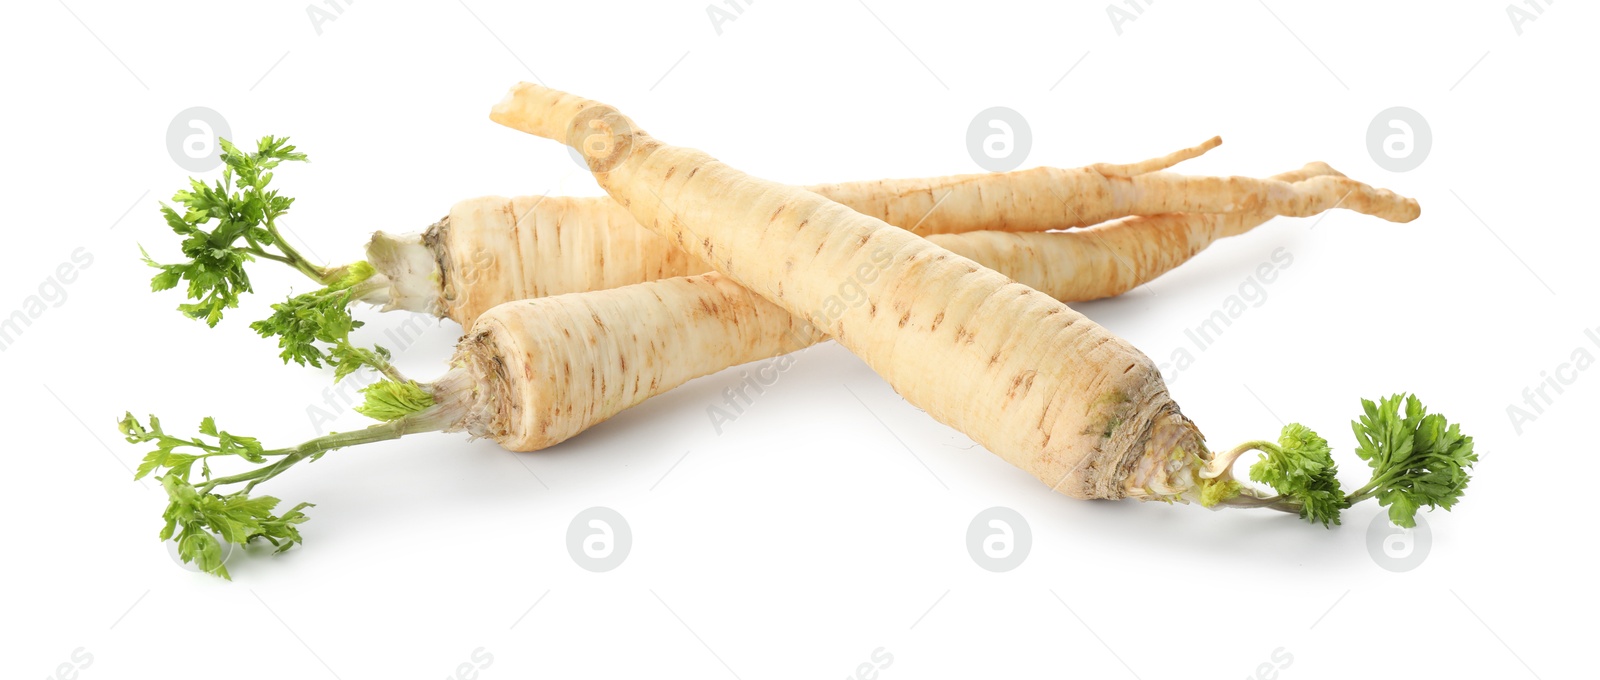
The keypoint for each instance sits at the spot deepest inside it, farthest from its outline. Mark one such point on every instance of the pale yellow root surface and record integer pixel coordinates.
(584, 357)
(1019, 372)
(495, 249)
(1109, 259)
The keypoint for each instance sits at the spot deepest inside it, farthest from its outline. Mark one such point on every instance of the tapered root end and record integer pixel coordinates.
(1363, 198)
(1156, 164)
(512, 110)
(1396, 208)
(538, 110)
(1184, 155)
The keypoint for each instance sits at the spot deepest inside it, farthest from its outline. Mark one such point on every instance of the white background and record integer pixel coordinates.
(806, 535)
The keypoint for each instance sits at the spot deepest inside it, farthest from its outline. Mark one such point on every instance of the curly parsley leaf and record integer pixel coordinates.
(1417, 458)
(1301, 468)
(226, 225)
(195, 517)
(314, 328)
(200, 518)
(167, 457)
(388, 400)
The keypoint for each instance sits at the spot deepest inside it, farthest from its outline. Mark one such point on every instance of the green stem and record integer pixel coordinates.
(323, 275)
(430, 420)
(263, 254)
(359, 292)
(1371, 488)
(1378, 481)
(383, 365)
(1279, 503)
(392, 373)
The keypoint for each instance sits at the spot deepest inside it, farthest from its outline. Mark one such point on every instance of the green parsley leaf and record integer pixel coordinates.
(198, 515)
(388, 400)
(180, 465)
(1301, 468)
(226, 225)
(199, 519)
(314, 328)
(1417, 458)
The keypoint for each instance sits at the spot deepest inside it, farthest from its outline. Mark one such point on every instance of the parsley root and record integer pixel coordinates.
(1061, 398)
(1417, 459)
(586, 357)
(950, 321)
(563, 247)
(564, 340)
(493, 249)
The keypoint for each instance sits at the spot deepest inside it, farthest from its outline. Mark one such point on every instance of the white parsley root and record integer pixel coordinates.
(1008, 364)
(494, 249)
(491, 250)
